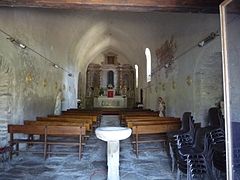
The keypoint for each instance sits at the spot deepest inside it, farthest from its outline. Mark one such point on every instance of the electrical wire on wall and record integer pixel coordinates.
(22, 45)
(200, 44)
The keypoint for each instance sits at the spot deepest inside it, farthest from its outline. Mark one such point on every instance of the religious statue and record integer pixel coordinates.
(221, 104)
(58, 105)
(90, 91)
(162, 107)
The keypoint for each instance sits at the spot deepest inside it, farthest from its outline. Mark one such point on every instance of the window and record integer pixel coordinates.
(148, 57)
(136, 71)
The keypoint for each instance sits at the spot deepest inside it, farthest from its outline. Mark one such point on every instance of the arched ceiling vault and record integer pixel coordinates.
(101, 38)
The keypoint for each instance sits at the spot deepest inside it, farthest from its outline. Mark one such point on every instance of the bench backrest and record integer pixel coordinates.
(56, 123)
(131, 124)
(64, 119)
(27, 129)
(47, 130)
(66, 130)
(80, 116)
(155, 128)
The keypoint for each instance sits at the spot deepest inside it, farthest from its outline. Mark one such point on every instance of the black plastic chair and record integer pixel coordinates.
(195, 160)
(215, 118)
(184, 132)
(217, 140)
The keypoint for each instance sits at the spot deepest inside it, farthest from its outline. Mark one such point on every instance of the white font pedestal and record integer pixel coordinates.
(113, 135)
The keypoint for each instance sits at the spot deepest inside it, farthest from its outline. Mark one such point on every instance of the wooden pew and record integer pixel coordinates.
(151, 128)
(67, 119)
(150, 118)
(65, 131)
(58, 123)
(93, 118)
(143, 122)
(46, 131)
(138, 114)
(28, 130)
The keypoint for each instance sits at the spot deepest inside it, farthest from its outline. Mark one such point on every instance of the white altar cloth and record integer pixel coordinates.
(110, 102)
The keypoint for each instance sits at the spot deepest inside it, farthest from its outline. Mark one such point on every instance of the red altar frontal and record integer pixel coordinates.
(110, 93)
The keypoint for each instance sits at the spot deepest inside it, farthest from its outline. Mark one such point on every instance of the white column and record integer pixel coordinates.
(113, 160)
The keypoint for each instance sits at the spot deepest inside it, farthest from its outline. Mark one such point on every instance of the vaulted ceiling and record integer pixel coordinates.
(203, 6)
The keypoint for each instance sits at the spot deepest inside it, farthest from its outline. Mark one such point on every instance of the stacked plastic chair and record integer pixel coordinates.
(215, 118)
(195, 160)
(184, 132)
(217, 140)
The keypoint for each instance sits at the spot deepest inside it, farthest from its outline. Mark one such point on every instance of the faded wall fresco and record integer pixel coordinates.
(6, 99)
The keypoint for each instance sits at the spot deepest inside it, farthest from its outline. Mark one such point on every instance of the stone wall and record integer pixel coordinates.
(73, 39)
(194, 81)
(6, 98)
(28, 83)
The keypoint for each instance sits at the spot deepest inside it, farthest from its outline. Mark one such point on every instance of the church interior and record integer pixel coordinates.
(166, 71)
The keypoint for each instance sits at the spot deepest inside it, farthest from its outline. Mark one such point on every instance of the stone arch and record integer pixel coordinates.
(208, 85)
(6, 99)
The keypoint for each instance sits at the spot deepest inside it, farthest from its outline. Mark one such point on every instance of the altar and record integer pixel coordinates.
(110, 84)
(110, 102)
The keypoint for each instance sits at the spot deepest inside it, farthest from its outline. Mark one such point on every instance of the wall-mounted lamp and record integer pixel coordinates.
(17, 42)
(56, 66)
(212, 36)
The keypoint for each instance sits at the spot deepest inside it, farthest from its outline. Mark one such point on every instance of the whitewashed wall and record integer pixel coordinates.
(73, 39)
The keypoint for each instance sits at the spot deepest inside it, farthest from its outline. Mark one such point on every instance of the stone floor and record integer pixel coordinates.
(150, 165)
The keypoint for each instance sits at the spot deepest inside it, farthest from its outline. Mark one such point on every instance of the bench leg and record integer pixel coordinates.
(11, 151)
(80, 148)
(17, 149)
(30, 138)
(45, 147)
(48, 150)
(137, 145)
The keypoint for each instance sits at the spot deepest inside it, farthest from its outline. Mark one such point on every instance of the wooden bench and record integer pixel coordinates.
(138, 114)
(59, 123)
(46, 132)
(146, 122)
(93, 118)
(28, 130)
(151, 128)
(150, 118)
(67, 120)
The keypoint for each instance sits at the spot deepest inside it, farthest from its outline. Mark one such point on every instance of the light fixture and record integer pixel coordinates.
(208, 39)
(22, 46)
(56, 66)
(17, 42)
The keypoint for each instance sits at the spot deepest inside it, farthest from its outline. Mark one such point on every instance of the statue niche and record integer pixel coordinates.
(110, 77)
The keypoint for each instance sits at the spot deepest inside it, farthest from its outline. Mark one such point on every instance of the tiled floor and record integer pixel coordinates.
(150, 165)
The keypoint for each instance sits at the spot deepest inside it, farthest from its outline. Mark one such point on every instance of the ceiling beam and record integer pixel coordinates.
(204, 6)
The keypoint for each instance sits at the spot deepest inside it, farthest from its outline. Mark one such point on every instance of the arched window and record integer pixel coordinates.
(148, 57)
(136, 71)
